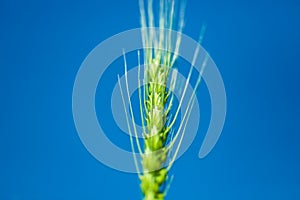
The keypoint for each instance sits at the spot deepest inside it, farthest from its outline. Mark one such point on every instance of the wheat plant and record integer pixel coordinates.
(156, 99)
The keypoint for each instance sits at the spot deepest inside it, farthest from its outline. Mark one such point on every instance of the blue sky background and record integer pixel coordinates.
(256, 46)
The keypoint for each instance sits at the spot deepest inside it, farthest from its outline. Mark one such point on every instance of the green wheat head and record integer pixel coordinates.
(156, 100)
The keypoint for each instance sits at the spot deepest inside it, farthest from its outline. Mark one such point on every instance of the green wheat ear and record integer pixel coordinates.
(156, 100)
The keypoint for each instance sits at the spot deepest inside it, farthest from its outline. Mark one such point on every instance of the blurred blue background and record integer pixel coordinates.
(256, 46)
